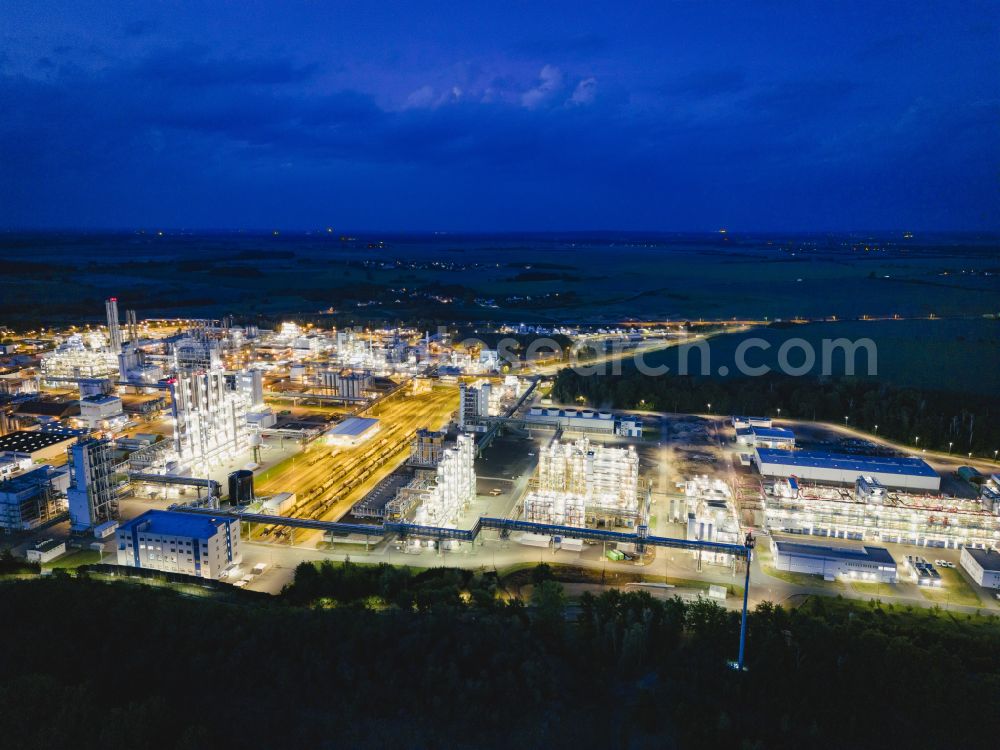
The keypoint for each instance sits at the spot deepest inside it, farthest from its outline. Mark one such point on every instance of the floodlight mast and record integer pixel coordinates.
(749, 543)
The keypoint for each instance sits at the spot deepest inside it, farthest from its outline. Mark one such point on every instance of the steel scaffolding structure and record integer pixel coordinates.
(549, 506)
(604, 479)
(210, 418)
(455, 485)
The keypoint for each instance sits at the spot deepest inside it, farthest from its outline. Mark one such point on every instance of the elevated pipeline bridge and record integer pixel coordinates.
(484, 440)
(640, 537)
(214, 488)
(162, 385)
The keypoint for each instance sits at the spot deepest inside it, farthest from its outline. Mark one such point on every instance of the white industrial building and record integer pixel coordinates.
(101, 411)
(280, 504)
(586, 420)
(983, 565)
(820, 466)
(765, 437)
(860, 563)
(871, 511)
(742, 423)
(352, 431)
(176, 542)
(251, 382)
(45, 551)
(12, 465)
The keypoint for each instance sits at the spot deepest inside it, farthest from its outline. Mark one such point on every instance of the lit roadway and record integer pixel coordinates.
(328, 481)
(643, 348)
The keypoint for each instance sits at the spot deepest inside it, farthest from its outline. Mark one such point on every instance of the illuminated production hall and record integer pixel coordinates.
(905, 473)
(872, 512)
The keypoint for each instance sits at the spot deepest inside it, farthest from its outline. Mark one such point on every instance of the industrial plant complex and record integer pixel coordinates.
(196, 447)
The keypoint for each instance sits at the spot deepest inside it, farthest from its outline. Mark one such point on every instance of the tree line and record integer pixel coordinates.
(968, 422)
(373, 656)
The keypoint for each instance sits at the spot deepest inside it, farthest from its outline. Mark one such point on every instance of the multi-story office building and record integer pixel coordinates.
(188, 543)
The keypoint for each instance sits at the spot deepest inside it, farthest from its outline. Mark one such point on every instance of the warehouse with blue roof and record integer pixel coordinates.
(865, 563)
(907, 472)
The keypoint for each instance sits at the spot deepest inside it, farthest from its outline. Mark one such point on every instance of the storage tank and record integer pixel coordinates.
(241, 487)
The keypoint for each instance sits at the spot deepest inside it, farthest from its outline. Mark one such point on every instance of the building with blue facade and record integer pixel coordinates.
(189, 543)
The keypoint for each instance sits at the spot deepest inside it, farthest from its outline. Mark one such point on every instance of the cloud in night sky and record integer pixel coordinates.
(307, 120)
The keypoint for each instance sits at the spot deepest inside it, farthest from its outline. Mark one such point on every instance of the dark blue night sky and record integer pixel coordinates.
(500, 115)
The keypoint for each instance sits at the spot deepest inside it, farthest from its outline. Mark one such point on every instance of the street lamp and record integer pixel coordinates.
(916, 440)
(876, 429)
(845, 421)
(779, 412)
(995, 455)
(950, 443)
(709, 408)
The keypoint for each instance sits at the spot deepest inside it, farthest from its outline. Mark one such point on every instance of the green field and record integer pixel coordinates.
(954, 590)
(76, 558)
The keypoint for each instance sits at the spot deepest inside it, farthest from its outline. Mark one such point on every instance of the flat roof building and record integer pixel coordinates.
(765, 437)
(35, 445)
(905, 473)
(176, 542)
(586, 420)
(983, 565)
(46, 551)
(863, 563)
(95, 410)
(352, 431)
